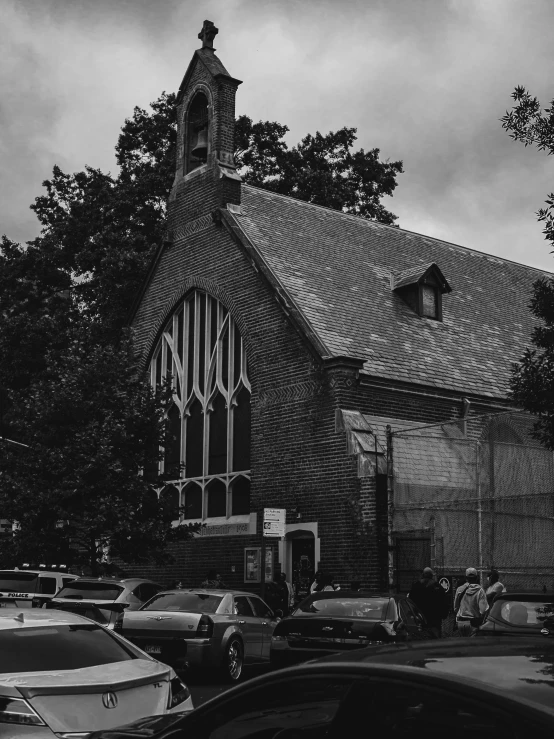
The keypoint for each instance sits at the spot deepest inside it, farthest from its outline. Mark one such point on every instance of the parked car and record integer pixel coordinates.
(339, 620)
(63, 675)
(444, 689)
(218, 630)
(103, 598)
(520, 614)
(31, 588)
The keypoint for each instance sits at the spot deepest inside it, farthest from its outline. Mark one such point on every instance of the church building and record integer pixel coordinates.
(295, 335)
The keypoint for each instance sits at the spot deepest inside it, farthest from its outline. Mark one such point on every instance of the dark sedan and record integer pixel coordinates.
(336, 621)
(446, 689)
(520, 614)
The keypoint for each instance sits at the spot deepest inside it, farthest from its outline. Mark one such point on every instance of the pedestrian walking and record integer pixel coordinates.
(495, 586)
(431, 599)
(470, 604)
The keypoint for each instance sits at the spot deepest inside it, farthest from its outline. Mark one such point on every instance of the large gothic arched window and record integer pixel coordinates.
(208, 460)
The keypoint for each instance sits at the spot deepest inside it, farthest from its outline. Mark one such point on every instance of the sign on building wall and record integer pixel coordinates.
(252, 560)
(274, 522)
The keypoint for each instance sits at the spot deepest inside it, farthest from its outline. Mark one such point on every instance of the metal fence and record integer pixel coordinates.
(477, 493)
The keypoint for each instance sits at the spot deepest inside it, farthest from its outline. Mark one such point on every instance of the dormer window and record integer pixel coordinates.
(422, 289)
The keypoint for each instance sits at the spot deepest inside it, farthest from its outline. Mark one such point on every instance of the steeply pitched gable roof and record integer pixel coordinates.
(337, 269)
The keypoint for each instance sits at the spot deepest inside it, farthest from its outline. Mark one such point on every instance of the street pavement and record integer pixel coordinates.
(202, 688)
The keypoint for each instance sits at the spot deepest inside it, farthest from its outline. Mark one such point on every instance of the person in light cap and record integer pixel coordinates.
(431, 600)
(470, 604)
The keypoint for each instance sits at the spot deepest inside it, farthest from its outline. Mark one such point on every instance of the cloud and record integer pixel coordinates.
(425, 81)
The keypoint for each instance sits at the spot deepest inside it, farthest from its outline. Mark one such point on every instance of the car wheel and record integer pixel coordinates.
(233, 660)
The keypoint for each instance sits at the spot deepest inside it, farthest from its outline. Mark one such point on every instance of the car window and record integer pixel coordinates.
(189, 602)
(242, 606)
(148, 590)
(406, 612)
(348, 605)
(261, 609)
(90, 591)
(417, 615)
(67, 647)
(18, 582)
(293, 706)
(524, 613)
(66, 580)
(47, 585)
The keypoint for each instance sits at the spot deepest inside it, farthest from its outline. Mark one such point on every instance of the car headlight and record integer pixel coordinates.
(178, 693)
(18, 711)
(278, 638)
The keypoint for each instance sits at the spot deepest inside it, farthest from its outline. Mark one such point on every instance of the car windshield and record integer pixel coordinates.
(524, 613)
(190, 602)
(90, 591)
(372, 608)
(18, 582)
(64, 647)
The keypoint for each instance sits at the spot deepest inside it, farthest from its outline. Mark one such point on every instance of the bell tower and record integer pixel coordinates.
(205, 176)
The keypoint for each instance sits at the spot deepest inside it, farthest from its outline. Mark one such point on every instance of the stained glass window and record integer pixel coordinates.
(208, 457)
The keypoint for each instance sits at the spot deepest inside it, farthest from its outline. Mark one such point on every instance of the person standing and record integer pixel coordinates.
(213, 581)
(289, 605)
(315, 584)
(430, 598)
(470, 604)
(495, 586)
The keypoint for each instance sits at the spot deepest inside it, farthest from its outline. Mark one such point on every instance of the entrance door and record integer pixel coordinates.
(303, 565)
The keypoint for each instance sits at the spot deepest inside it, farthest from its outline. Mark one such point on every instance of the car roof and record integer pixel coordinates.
(40, 572)
(11, 618)
(523, 668)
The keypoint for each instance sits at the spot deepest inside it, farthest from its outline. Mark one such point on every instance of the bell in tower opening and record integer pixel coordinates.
(197, 132)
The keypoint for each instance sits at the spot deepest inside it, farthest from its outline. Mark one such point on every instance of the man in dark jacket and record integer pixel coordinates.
(431, 600)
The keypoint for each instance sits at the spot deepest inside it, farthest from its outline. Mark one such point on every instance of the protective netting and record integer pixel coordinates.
(475, 495)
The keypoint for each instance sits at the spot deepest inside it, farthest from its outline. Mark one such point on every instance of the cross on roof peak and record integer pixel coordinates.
(207, 35)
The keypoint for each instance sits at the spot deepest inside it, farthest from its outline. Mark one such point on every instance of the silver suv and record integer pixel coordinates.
(103, 598)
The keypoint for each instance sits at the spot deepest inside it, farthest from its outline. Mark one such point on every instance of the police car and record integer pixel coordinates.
(31, 588)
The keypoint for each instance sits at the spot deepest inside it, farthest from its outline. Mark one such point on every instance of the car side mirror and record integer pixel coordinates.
(278, 613)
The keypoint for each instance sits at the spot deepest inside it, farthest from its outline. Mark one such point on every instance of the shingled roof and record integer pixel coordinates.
(336, 269)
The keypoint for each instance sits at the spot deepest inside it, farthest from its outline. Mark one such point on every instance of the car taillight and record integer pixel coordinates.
(205, 627)
(18, 711)
(118, 625)
(178, 693)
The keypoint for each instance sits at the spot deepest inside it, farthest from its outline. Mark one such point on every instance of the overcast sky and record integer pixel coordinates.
(426, 81)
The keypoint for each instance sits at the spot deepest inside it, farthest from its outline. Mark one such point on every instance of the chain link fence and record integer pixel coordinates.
(474, 493)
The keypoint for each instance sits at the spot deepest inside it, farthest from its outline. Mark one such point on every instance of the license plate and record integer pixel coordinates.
(152, 649)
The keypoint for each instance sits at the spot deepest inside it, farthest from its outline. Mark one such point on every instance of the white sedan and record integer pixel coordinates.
(62, 675)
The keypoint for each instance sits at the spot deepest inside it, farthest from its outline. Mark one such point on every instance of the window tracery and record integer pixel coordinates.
(202, 354)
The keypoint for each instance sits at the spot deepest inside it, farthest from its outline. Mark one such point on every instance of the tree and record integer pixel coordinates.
(91, 423)
(320, 169)
(532, 385)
